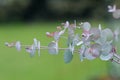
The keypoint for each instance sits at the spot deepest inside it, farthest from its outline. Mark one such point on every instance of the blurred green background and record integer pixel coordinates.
(24, 20)
(20, 66)
(31, 10)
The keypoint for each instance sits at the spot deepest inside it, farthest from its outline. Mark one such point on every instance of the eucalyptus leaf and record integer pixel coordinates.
(53, 48)
(108, 34)
(117, 34)
(71, 31)
(116, 14)
(95, 50)
(95, 33)
(38, 46)
(71, 47)
(69, 40)
(56, 36)
(86, 26)
(33, 50)
(62, 32)
(56, 47)
(89, 55)
(106, 48)
(71, 34)
(66, 25)
(101, 40)
(35, 42)
(76, 39)
(68, 56)
(107, 57)
(82, 51)
(18, 45)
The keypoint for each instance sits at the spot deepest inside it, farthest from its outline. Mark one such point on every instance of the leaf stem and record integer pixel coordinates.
(117, 58)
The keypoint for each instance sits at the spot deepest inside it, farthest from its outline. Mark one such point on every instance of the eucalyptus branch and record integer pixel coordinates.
(90, 43)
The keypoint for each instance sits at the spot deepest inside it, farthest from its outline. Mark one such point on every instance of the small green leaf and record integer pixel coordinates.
(68, 56)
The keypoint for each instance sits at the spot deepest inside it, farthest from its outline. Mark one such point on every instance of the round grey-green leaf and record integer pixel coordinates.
(108, 34)
(52, 48)
(107, 57)
(33, 50)
(86, 26)
(106, 48)
(68, 56)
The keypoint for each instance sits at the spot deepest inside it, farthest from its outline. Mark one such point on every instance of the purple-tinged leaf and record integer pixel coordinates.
(18, 45)
(88, 54)
(86, 35)
(62, 32)
(56, 47)
(92, 52)
(95, 33)
(56, 36)
(95, 50)
(112, 8)
(38, 47)
(31, 50)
